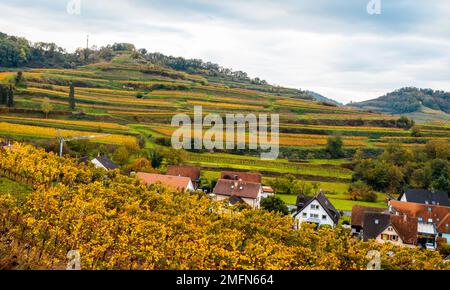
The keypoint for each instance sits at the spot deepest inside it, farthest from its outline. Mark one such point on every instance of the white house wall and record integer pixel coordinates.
(320, 212)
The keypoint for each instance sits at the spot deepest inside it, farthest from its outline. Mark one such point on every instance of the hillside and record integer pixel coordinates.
(420, 104)
(132, 95)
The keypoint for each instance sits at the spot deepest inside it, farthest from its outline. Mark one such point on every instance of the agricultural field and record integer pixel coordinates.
(132, 102)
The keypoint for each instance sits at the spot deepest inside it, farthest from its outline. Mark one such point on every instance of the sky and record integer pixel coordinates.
(333, 47)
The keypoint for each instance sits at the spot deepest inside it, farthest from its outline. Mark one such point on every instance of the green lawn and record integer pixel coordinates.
(279, 165)
(338, 203)
(16, 189)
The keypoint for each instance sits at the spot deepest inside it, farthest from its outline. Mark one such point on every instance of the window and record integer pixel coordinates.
(420, 219)
(446, 225)
(324, 217)
(314, 206)
(430, 220)
(390, 229)
(377, 221)
(429, 209)
(314, 216)
(394, 238)
(385, 237)
(304, 214)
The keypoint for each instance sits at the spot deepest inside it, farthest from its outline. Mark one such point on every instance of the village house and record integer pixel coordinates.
(385, 227)
(186, 171)
(425, 196)
(244, 176)
(173, 182)
(317, 209)
(357, 217)
(6, 146)
(102, 161)
(238, 191)
(433, 220)
(267, 191)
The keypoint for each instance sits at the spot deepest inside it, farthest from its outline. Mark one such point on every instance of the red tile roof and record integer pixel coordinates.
(358, 212)
(444, 225)
(245, 176)
(268, 189)
(425, 211)
(235, 188)
(175, 182)
(406, 228)
(184, 170)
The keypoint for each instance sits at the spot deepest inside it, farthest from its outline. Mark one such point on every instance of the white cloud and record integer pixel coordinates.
(335, 49)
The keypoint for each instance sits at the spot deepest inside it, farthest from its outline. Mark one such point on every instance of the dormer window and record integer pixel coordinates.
(429, 209)
(420, 219)
(377, 221)
(430, 220)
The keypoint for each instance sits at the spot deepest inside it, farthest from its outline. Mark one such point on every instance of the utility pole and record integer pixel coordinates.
(62, 140)
(86, 52)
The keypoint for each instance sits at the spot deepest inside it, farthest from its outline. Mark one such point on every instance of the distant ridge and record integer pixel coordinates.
(426, 104)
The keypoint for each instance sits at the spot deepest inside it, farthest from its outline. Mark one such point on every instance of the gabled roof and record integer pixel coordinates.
(325, 203)
(267, 189)
(444, 225)
(374, 223)
(358, 212)
(184, 170)
(244, 176)
(174, 182)
(106, 162)
(425, 211)
(425, 196)
(237, 188)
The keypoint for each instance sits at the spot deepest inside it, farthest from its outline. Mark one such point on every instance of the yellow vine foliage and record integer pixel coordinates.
(117, 223)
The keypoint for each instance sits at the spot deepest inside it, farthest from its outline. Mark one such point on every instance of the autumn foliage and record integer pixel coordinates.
(117, 223)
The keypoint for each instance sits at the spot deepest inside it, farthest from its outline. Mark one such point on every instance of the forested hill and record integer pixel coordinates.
(17, 52)
(410, 101)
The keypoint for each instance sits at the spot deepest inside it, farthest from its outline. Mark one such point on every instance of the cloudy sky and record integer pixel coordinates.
(333, 47)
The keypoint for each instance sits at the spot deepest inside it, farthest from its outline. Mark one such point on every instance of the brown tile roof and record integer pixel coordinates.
(406, 227)
(358, 212)
(184, 170)
(444, 225)
(267, 189)
(235, 188)
(245, 176)
(175, 182)
(425, 211)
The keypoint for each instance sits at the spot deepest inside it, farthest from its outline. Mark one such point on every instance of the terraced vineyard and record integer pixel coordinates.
(131, 100)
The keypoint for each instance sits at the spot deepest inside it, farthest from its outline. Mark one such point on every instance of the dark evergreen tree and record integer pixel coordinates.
(3, 94)
(72, 97)
(10, 97)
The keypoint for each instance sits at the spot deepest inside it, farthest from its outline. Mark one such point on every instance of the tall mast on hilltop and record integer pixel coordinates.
(86, 52)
